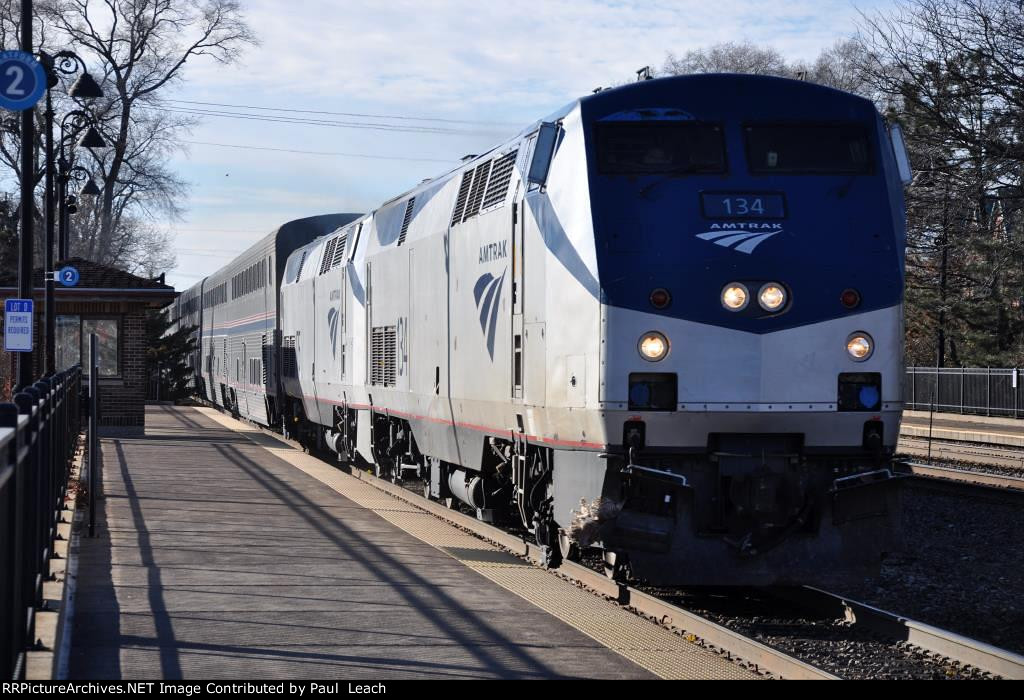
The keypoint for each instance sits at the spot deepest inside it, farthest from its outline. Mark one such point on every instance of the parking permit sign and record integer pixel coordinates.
(18, 325)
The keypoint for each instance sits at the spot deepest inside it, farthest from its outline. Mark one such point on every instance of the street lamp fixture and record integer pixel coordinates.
(89, 189)
(72, 124)
(85, 87)
(92, 139)
(64, 63)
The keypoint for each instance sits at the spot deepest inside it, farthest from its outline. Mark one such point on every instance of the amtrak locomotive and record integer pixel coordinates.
(664, 322)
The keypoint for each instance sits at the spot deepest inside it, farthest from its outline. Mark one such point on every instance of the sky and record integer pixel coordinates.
(460, 75)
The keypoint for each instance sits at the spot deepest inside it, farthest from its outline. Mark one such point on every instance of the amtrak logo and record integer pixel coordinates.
(332, 324)
(744, 237)
(487, 291)
(493, 251)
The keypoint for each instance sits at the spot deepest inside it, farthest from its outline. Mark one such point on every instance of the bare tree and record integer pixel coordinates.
(137, 50)
(143, 46)
(953, 71)
(839, 66)
(728, 57)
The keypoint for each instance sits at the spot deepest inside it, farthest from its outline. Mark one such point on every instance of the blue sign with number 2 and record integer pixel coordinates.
(68, 276)
(22, 80)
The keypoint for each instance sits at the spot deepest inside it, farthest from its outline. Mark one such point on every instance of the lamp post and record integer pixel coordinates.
(68, 202)
(27, 198)
(66, 63)
(72, 123)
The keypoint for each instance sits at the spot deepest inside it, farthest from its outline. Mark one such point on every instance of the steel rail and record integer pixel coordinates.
(979, 453)
(927, 637)
(1000, 482)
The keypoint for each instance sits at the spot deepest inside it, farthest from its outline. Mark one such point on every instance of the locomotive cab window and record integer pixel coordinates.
(808, 148)
(659, 148)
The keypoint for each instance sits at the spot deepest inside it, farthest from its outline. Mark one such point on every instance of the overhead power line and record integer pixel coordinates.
(219, 230)
(318, 153)
(326, 122)
(192, 253)
(347, 114)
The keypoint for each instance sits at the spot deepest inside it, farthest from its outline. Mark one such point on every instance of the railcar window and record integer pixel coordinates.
(808, 148)
(659, 148)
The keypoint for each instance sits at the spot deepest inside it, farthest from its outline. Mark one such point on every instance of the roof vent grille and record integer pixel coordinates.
(501, 176)
(476, 195)
(339, 251)
(460, 201)
(325, 264)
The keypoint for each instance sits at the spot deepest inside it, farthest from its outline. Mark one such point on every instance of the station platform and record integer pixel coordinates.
(1008, 432)
(224, 552)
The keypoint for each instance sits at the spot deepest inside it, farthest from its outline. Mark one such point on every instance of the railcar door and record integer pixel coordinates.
(517, 295)
(529, 343)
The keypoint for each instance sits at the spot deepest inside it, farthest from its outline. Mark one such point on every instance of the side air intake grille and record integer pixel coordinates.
(460, 201)
(476, 195)
(383, 360)
(339, 250)
(406, 220)
(289, 363)
(302, 262)
(265, 358)
(325, 263)
(501, 175)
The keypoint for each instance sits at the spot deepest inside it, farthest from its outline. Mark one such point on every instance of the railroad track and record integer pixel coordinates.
(958, 451)
(964, 475)
(928, 649)
(934, 640)
(932, 652)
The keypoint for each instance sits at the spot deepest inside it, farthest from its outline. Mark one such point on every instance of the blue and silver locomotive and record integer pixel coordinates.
(664, 322)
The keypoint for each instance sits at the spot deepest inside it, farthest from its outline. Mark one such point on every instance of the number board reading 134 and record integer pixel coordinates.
(739, 205)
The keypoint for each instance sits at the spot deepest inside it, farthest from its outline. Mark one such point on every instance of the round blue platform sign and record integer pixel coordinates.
(22, 80)
(68, 276)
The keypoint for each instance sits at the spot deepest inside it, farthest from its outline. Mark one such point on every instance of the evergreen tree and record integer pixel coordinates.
(167, 354)
(8, 243)
(953, 74)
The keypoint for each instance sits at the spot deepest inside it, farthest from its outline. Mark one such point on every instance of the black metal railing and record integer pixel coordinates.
(38, 437)
(984, 391)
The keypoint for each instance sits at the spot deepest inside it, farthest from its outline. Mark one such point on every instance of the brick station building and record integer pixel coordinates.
(112, 304)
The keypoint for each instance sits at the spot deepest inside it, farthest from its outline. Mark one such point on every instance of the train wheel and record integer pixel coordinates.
(551, 558)
(546, 534)
(569, 549)
(616, 566)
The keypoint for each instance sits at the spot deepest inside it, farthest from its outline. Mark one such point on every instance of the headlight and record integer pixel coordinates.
(653, 346)
(735, 296)
(860, 346)
(772, 297)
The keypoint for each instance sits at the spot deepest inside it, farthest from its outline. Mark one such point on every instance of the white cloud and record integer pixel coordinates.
(461, 59)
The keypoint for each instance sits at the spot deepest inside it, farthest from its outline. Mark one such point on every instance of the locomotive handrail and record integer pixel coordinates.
(661, 474)
(38, 438)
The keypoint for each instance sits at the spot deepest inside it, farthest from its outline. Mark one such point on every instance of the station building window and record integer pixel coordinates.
(72, 343)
